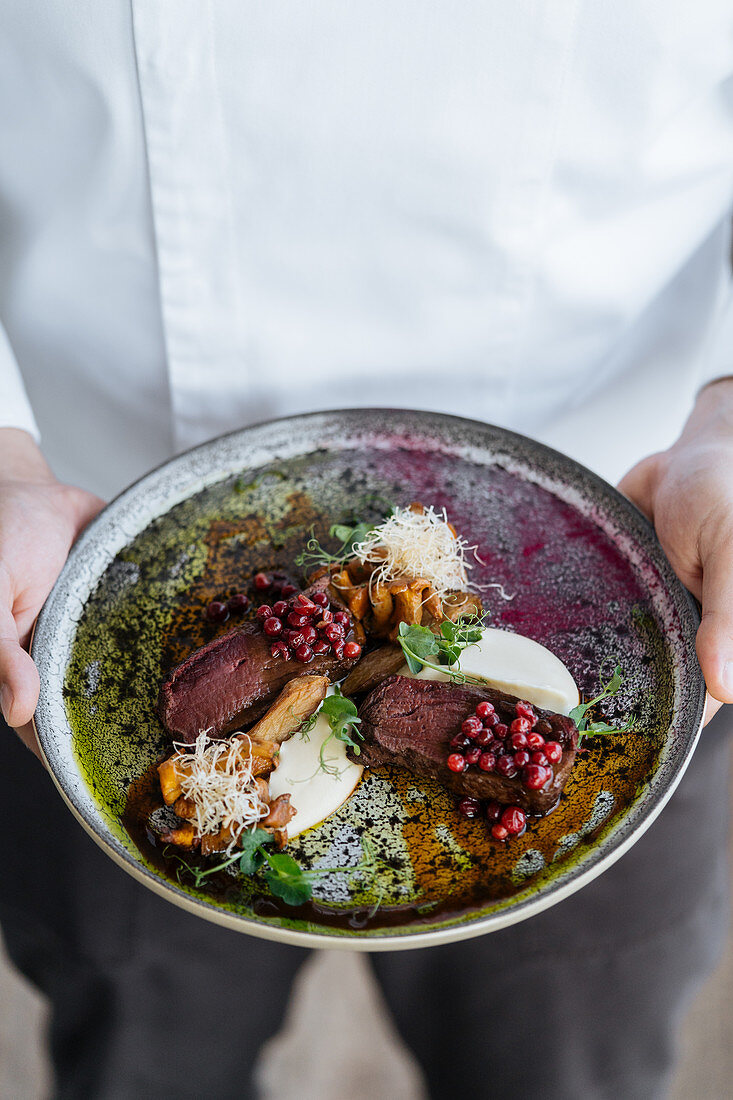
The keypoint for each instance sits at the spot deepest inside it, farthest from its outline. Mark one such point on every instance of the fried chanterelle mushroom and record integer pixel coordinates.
(410, 569)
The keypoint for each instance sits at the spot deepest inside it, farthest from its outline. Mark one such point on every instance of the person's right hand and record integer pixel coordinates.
(39, 520)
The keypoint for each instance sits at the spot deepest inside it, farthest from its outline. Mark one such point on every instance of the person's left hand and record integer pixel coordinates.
(687, 493)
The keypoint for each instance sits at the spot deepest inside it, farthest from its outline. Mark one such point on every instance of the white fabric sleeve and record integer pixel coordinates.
(15, 409)
(717, 362)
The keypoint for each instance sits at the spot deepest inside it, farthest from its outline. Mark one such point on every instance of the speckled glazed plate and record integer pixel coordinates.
(588, 580)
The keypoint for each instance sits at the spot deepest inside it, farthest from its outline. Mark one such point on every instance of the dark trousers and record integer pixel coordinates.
(582, 1001)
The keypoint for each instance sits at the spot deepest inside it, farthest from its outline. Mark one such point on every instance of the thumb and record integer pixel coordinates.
(638, 484)
(86, 507)
(715, 636)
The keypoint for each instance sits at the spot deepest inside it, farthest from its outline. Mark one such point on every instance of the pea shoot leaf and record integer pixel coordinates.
(582, 718)
(315, 555)
(343, 719)
(287, 879)
(423, 648)
(349, 537)
(252, 843)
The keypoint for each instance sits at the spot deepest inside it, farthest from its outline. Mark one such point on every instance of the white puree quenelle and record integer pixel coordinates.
(315, 793)
(518, 666)
(509, 662)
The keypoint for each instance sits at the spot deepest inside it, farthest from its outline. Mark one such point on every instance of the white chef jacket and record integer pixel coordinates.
(218, 211)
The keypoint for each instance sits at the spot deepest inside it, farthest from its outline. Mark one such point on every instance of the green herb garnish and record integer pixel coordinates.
(284, 876)
(341, 715)
(582, 719)
(424, 648)
(307, 726)
(315, 555)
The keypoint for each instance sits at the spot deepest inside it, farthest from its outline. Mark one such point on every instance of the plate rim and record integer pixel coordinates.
(363, 940)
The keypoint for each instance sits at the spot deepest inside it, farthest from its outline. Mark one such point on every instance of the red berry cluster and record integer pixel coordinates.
(218, 611)
(515, 750)
(506, 820)
(272, 584)
(275, 584)
(305, 627)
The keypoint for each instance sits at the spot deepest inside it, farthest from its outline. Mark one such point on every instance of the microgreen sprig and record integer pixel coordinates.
(424, 648)
(315, 555)
(582, 718)
(283, 874)
(342, 717)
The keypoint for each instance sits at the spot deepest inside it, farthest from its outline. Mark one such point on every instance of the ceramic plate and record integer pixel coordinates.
(587, 579)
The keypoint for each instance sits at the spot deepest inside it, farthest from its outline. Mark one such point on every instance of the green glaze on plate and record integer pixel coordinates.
(587, 579)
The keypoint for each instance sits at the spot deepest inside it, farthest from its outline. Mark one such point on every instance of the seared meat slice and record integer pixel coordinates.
(373, 668)
(230, 683)
(410, 722)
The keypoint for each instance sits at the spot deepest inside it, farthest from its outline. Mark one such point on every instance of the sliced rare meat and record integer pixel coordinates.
(230, 683)
(410, 722)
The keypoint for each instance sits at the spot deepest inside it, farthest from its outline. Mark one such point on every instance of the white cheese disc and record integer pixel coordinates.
(518, 666)
(314, 793)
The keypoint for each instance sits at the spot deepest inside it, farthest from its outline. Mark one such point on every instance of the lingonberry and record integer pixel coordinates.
(473, 755)
(309, 634)
(514, 820)
(535, 777)
(521, 758)
(505, 766)
(287, 591)
(484, 709)
(494, 810)
(456, 762)
(535, 740)
(553, 751)
(469, 807)
(262, 581)
(524, 710)
(499, 831)
(334, 633)
(500, 730)
(238, 602)
(342, 618)
(471, 726)
(296, 620)
(294, 638)
(338, 650)
(520, 725)
(264, 611)
(519, 740)
(320, 598)
(487, 761)
(352, 650)
(484, 738)
(304, 654)
(460, 741)
(272, 626)
(539, 758)
(279, 608)
(321, 647)
(217, 612)
(325, 619)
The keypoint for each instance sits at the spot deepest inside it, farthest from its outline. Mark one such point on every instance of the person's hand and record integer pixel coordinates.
(39, 520)
(687, 493)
